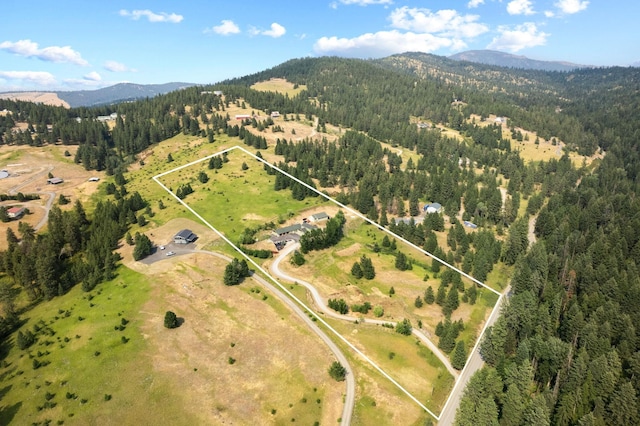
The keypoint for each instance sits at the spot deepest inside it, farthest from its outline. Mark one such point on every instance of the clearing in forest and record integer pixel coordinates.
(237, 199)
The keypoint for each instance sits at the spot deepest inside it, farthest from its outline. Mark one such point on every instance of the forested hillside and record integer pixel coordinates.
(566, 349)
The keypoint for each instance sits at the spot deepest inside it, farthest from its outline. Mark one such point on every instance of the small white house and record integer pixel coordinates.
(432, 208)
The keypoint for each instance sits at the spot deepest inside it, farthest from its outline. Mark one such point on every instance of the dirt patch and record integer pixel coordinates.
(349, 251)
(277, 360)
(47, 98)
(28, 170)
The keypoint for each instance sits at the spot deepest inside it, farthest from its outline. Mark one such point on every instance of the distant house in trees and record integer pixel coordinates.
(15, 212)
(217, 92)
(103, 118)
(243, 116)
(184, 237)
(406, 220)
(54, 181)
(275, 114)
(432, 208)
(470, 224)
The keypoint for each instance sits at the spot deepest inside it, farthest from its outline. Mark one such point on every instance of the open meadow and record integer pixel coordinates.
(258, 206)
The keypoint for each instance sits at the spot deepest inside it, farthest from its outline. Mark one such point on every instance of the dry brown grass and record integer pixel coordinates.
(278, 360)
(46, 98)
(278, 85)
(28, 169)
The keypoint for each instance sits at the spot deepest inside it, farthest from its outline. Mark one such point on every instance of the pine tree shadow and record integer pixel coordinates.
(8, 413)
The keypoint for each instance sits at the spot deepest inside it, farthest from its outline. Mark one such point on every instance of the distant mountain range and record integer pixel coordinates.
(451, 68)
(121, 92)
(502, 59)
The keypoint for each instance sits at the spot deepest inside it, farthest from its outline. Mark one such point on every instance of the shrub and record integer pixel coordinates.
(337, 371)
(378, 311)
(404, 327)
(339, 305)
(170, 320)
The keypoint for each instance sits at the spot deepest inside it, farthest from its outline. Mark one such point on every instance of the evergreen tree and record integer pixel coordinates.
(368, 271)
(337, 371)
(429, 297)
(356, 270)
(143, 247)
(402, 264)
(459, 356)
(441, 295)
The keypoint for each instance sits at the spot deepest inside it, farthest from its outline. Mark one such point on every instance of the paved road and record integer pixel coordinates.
(474, 363)
(350, 395)
(321, 304)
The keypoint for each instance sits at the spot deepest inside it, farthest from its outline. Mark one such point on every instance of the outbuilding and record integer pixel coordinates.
(15, 212)
(54, 181)
(317, 217)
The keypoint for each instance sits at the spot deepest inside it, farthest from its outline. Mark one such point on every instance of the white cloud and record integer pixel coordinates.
(226, 27)
(549, 13)
(93, 76)
(520, 7)
(152, 16)
(41, 78)
(276, 31)
(114, 66)
(445, 23)
(384, 43)
(571, 6)
(415, 30)
(474, 3)
(31, 49)
(519, 37)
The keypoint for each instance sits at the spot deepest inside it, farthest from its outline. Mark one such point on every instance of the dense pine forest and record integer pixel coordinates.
(566, 349)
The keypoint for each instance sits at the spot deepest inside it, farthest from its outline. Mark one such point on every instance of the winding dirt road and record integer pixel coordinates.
(52, 195)
(321, 304)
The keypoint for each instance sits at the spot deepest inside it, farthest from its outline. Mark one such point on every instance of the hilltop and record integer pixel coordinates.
(502, 59)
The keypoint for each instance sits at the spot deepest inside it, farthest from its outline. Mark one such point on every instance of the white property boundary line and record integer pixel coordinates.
(311, 311)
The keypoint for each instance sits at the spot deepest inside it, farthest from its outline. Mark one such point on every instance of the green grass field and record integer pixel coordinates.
(234, 199)
(91, 372)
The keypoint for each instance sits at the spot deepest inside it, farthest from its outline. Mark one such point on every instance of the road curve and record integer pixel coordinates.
(52, 195)
(350, 395)
(321, 304)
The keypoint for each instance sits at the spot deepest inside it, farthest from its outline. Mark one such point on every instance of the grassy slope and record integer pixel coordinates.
(87, 358)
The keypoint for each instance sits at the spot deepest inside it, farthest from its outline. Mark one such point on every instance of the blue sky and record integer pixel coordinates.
(72, 45)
